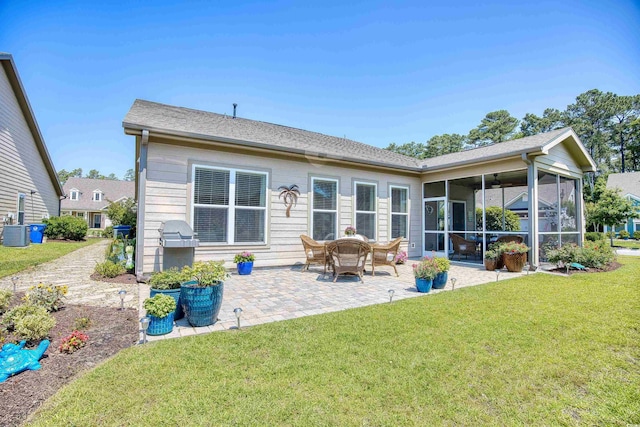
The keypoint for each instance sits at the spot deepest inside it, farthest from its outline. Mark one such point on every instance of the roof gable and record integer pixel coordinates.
(112, 190)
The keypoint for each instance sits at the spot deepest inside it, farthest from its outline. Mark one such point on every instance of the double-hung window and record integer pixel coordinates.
(229, 205)
(366, 209)
(97, 196)
(324, 209)
(73, 194)
(399, 212)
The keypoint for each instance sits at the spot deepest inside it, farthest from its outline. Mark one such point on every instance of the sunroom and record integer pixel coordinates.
(529, 190)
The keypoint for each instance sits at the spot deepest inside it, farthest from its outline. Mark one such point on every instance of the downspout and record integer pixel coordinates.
(142, 185)
(532, 190)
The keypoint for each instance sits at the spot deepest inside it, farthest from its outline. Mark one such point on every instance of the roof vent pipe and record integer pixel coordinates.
(234, 109)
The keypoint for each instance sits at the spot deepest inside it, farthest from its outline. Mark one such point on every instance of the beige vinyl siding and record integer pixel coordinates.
(560, 161)
(168, 196)
(21, 167)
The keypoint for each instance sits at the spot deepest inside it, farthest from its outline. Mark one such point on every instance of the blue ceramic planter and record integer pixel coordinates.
(245, 268)
(424, 285)
(440, 281)
(175, 294)
(201, 305)
(160, 325)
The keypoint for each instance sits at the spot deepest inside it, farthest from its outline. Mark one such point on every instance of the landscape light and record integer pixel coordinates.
(391, 292)
(14, 280)
(527, 267)
(238, 311)
(121, 294)
(497, 274)
(144, 324)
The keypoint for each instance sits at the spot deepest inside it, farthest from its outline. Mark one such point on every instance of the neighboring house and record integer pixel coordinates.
(222, 175)
(89, 198)
(29, 186)
(629, 185)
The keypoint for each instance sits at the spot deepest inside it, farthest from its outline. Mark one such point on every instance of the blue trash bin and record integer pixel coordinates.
(36, 232)
(121, 231)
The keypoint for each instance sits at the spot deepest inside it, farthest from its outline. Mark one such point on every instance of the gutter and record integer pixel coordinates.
(142, 184)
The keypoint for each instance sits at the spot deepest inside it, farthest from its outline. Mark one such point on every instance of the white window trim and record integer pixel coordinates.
(391, 213)
(336, 211)
(24, 206)
(72, 192)
(231, 207)
(99, 194)
(375, 206)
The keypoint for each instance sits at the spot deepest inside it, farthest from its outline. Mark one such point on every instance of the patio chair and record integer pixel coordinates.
(385, 255)
(462, 246)
(314, 252)
(348, 256)
(509, 239)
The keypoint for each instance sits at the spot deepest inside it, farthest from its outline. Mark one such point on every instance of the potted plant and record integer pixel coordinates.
(201, 295)
(440, 281)
(350, 231)
(424, 272)
(245, 262)
(401, 257)
(493, 259)
(168, 283)
(160, 310)
(514, 256)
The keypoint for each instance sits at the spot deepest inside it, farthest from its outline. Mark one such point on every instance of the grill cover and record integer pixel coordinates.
(177, 234)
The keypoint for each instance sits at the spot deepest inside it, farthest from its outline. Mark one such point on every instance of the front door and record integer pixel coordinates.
(97, 220)
(435, 226)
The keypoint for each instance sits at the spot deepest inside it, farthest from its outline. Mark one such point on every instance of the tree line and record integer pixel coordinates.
(64, 175)
(607, 124)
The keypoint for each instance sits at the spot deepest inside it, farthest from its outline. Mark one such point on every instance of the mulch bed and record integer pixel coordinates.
(111, 330)
(609, 267)
(127, 278)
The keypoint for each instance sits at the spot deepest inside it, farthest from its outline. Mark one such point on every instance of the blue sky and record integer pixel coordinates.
(371, 71)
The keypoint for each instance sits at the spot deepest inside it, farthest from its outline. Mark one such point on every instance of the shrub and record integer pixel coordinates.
(624, 234)
(108, 232)
(493, 216)
(245, 256)
(168, 279)
(592, 254)
(636, 235)
(47, 296)
(594, 236)
(82, 323)
(123, 212)
(611, 234)
(110, 269)
(426, 269)
(5, 299)
(73, 342)
(30, 322)
(66, 227)
(160, 305)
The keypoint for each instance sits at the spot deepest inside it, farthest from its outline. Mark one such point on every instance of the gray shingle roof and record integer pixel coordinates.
(628, 182)
(112, 190)
(504, 149)
(211, 126)
(179, 121)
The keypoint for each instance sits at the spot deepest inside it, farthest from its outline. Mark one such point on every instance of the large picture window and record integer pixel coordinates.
(399, 212)
(229, 205)
(365, 209)
(324, 208)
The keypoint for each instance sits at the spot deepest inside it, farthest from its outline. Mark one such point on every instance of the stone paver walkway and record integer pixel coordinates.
(274, 294)
(74, 270)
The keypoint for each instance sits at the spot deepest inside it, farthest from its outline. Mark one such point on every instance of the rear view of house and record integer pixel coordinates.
(29, 186)
(89, 198)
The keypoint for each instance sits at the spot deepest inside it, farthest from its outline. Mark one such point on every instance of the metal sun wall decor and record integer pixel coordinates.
(289, 196)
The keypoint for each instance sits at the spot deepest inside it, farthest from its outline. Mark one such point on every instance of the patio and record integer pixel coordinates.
(274, 294)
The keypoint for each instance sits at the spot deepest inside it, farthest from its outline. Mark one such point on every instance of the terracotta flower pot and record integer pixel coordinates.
(514, 262)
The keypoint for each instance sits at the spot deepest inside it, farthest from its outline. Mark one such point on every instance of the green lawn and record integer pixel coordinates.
(538, 350)
(629, 244)
(13, 260)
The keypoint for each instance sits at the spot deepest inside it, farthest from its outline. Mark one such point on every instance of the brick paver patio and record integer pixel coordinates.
(267, 295)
